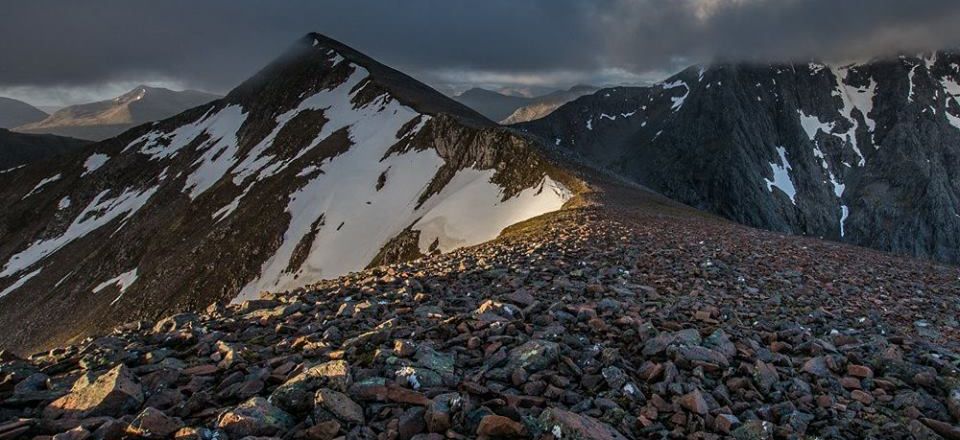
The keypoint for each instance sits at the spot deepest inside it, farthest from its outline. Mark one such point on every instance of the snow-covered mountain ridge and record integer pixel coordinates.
(324, 163)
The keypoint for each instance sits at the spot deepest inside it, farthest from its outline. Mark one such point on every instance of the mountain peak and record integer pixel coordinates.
(136, 94)
(318, 48)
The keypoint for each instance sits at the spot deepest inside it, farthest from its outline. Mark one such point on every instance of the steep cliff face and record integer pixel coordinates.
(863, 153)
(321, 164)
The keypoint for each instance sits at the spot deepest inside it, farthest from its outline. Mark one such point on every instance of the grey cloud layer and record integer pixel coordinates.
(645, 34)
(214, 44)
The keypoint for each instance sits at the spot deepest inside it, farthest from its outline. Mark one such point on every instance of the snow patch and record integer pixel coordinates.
(844, 213)
(219, 152)
(952, 88)
(20, 282)
(64, 203)
(12, 169)
(228, 209)
(781, 176)
(95, 161)
(838, 188)
(910, 93)
(308, 170)
(930, 60)
(63, 279)
(673, 85)
(43, 183)
(812, 124)
(677, 100)
(122, 281)
(953, 120)
(471, 210)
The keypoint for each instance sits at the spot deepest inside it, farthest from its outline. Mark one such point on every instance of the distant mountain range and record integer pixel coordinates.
(512, 109)
(104, 119)
(14, 113)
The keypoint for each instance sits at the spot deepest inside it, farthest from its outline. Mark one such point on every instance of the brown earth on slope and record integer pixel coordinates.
(624, 316)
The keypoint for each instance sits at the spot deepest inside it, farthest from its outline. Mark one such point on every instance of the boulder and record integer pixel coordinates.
(533, 356)
(153, 423)
(297, 394)
(255, 417)
(114, 393)
(571, 426)
(338, 404)
(499, 427)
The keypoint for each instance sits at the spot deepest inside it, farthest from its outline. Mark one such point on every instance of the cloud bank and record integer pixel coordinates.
(215, 44)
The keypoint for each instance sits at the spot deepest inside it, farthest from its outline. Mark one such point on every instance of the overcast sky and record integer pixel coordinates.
(67, 51)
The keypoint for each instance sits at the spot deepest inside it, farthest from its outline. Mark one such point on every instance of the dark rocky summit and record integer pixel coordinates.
(625, 317)
(861, 153)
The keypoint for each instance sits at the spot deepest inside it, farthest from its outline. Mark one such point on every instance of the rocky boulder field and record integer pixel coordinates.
(589, 323)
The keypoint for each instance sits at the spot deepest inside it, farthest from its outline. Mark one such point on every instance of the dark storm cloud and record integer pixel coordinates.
(214, 44)
(644, 34)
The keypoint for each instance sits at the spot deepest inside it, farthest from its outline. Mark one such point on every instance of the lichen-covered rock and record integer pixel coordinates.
(114, 393)
(570, 426)
(534, 355)
(153, 423)
(255, 417)
(296, 395)
(340, 405)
